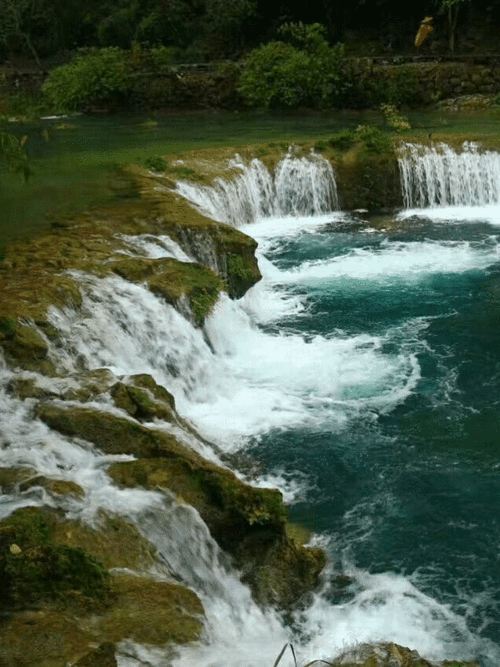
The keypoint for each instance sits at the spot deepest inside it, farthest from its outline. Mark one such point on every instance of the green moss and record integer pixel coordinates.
(239, 266)
(7, 327)
(34, 568)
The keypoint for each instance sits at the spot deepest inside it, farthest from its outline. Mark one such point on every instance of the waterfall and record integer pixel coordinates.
(440, 176)
(245, 375)
(297, 187)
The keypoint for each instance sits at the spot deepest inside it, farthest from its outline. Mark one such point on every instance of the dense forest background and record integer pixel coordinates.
(199, 31)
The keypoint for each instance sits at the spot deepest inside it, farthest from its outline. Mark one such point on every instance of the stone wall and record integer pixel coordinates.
(214, 86)
(373, 83)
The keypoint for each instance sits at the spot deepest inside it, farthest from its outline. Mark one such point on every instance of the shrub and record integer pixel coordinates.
(304, 72)
(155, 164)
(96, 75)
(394, 119)
(320, 145)
(342, 140)
(162, 56)
(374, 139)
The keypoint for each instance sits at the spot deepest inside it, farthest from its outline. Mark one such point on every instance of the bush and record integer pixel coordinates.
(155, 164)
(97, 75)
(304, 72)
(400, 86)
(342, 140)
(374, 139)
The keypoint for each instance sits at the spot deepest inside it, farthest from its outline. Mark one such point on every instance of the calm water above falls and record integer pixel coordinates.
(363, 373)
(369, 384)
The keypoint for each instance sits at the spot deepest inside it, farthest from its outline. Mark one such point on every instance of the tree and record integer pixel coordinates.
(452, 8)
(18, 19)
(304, 70)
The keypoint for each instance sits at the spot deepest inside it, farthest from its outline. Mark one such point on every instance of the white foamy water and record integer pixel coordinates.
(397, 259)
(433, 176)
(156, 247)
(237, 381)
(297, 187)
(456, 214)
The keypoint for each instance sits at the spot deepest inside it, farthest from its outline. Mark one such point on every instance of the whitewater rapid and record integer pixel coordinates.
(262, 367)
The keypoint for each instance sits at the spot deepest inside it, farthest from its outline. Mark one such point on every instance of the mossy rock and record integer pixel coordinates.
(113, 541)
(144, 400)
(10, 478)
(57, 487)
(102, 656)
(242, 272)
(368, 179)
(388, 655)
(26, 343)
(34, 568)
(82, 387)
(152, 612)
(42, 638)
(173, 280)
(247, 523)
(109, 432)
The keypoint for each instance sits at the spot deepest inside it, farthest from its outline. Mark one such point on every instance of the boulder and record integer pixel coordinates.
(387, 655)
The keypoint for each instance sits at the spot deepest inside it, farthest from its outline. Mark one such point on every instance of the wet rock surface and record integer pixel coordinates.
(389, 655)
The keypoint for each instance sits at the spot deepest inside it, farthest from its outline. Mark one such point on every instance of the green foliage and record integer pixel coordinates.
(374, 139)
(320, 145)
(93, 76)
(342, 140)
(237, 265)
(394, 119)
(398, 88)
(162, 56)
(34, 568)
(303, 72)
(155, 163)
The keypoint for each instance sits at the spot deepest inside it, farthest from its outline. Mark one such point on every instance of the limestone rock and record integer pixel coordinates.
(58, 487)
(143, 399)
(248, 523)
(103, 656)
(11, 477)
(388, 655)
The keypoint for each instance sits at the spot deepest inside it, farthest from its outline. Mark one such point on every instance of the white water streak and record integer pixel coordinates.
(298, 187)
(433, 176)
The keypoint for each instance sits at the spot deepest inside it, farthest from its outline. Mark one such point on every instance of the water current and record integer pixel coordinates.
(362, 373)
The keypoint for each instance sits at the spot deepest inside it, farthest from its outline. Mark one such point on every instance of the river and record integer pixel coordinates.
(363, 374)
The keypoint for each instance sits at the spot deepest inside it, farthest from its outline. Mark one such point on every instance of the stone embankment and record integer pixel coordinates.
(372, 81)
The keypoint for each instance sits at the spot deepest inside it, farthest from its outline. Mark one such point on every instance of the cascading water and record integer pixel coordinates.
(348, 373)
(298, 187)
(440, 176)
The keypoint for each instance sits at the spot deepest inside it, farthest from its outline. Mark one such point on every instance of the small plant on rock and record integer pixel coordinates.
(394, 119)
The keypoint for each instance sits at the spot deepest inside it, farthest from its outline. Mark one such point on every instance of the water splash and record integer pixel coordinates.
(440, 176)
(298, 187)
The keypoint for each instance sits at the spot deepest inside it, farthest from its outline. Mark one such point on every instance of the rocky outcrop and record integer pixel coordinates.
(248, 523)
(387, 655)
(177, 282)
(62, 600)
